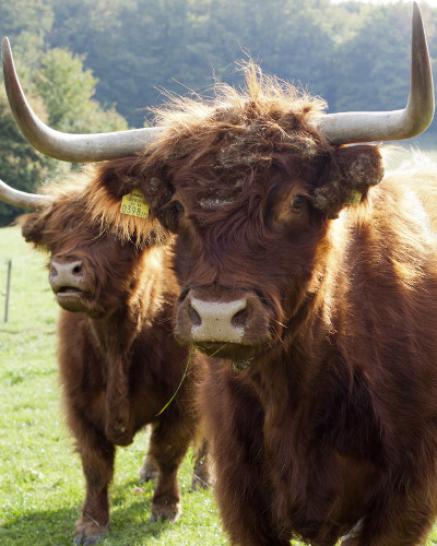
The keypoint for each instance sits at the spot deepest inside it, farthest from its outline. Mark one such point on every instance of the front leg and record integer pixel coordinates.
(97, 456)
(149, 469)
(168, 445)
(201, 472)
(404, 520)
(234, 419)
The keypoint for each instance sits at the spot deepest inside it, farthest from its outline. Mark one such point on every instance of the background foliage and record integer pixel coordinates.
(90, 65)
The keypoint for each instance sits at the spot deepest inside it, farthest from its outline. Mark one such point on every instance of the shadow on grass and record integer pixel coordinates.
(130, 522)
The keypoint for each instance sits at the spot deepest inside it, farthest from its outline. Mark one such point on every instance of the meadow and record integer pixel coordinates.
(41, 485)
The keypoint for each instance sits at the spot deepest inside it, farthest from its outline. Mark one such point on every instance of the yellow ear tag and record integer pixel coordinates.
(134, 204)
(355, 198)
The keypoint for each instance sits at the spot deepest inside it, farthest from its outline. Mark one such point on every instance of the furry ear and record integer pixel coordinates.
(133, 218)
(32, 227)
(347, 178)
(119, 176)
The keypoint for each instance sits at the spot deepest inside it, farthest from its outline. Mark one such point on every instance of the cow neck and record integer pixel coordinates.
(116, 334)
(288, 378)
(285, 376)
(284, 380)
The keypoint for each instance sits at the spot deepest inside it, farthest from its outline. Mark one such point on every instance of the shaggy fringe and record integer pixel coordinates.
(86, 190)
(266, 104)
(263, 96)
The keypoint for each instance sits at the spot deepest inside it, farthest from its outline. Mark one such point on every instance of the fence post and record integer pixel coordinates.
(8, 289)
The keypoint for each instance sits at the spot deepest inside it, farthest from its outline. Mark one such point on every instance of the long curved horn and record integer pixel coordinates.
(414, 119)
(68, 147)
(22, 199)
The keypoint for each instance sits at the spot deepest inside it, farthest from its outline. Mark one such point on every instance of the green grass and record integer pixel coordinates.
(41, 485)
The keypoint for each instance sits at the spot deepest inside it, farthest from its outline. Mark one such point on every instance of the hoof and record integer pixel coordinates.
(148, 473)
(88, 533)
(83, 540)
(200, 482)
(166, 512)
(350, 542)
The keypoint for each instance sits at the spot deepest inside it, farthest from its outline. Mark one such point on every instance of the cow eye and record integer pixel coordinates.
(178, 208)
(171, 214)
(298, 203)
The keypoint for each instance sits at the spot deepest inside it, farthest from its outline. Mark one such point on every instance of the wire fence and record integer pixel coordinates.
(7, 290)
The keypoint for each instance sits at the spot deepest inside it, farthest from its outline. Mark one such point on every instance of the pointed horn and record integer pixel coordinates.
(22, 199)
(415, 118)
(68, 147)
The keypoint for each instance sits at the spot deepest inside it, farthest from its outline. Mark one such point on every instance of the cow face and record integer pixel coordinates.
(252, 223)
(95, 257)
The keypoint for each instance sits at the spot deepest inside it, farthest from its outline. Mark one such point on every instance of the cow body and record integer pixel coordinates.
(312, 280)
(338, 426)
(120, 365)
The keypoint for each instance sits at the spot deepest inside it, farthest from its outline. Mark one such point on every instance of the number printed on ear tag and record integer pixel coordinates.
(134, 204)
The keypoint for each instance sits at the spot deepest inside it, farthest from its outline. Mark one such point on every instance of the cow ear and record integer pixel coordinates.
(120, 176)
(350, 173)
(32, 227)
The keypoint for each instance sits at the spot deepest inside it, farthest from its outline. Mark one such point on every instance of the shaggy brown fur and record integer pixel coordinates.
(119, 362)
(332, 425)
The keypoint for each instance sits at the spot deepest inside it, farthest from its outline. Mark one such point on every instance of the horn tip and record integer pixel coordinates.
(6, 45)
(417, 14)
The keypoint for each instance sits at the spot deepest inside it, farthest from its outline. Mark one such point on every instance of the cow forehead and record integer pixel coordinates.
(257, 188)
(222, 176)
(210, 203)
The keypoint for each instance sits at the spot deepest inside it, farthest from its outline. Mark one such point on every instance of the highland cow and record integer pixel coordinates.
(312, 278)
(120, 366)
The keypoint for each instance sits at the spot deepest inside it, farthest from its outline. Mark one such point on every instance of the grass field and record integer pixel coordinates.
(41, 485)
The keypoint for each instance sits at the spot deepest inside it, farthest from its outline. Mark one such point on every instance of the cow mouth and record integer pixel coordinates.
(71, 298)
(68, 290)
(240, 354)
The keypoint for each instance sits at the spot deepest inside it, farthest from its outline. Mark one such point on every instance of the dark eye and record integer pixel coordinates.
(171, 214)
(178, 208)
(298, 203)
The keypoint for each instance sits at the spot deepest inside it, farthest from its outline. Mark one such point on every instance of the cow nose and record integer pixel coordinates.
(217, 320)
(66, 274)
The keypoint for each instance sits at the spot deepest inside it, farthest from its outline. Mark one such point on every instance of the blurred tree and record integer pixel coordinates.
(62, 94)
(373, 66)
(20, 165)
(68, 90)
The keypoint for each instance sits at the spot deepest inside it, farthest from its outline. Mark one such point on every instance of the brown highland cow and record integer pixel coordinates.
(314, 277)
(120, 365)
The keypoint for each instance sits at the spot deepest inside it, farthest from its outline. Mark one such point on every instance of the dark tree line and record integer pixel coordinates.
(354, 55)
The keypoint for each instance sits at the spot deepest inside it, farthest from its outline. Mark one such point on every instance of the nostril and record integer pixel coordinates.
(239, 319)
(194, 316)
(77, 269)
(53, 271)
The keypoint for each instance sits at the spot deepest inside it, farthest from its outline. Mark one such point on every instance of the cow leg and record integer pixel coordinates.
(201, 473)
(149, 470)
(97, 456)
(244, 505)
(168, 445)
(235, 419)
(406, 522)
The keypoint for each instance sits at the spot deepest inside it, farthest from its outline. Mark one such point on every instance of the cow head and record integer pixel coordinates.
(250, 189)
(95, 250)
